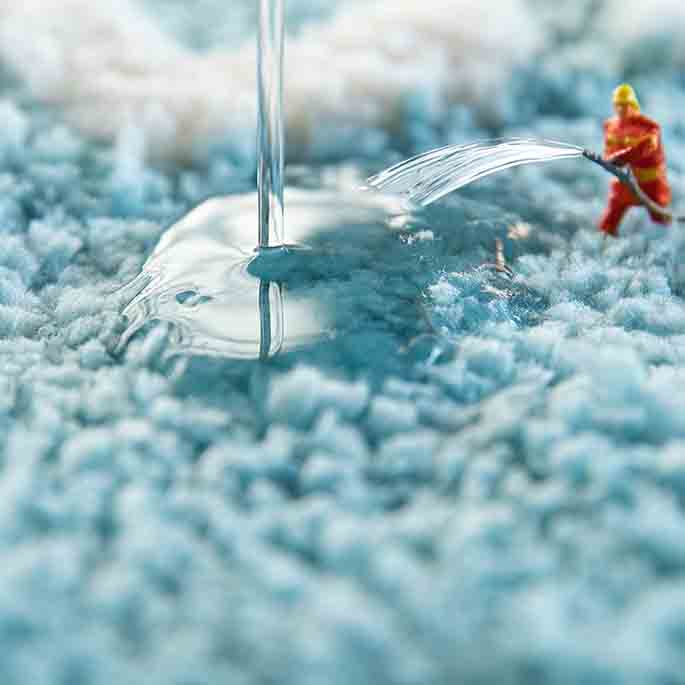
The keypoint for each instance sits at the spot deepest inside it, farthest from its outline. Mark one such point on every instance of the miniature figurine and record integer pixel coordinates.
(632, 139)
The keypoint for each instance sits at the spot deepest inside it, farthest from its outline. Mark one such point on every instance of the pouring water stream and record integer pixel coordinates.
(270, 138)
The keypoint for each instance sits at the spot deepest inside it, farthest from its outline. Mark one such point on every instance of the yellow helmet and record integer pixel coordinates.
(625, 95)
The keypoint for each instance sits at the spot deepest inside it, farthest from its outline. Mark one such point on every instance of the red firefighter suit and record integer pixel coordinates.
(635, 140)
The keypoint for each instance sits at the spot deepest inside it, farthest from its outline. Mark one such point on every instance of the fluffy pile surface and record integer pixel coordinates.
(478, 481)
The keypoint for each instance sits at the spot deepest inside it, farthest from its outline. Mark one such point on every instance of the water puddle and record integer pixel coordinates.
(221, 297)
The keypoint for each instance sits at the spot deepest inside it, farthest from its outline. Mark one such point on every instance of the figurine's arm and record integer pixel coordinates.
(644, 145)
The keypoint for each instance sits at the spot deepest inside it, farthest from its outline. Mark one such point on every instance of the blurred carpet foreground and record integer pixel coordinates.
(484, 484)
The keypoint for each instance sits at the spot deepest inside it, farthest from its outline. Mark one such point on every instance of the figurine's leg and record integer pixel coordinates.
(613, 214)
(620, 200)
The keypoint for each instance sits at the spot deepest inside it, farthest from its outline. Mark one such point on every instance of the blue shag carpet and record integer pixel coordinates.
(479, 481)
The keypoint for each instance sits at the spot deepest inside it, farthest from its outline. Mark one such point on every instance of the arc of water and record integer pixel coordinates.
(429, 176)
(270, 136)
